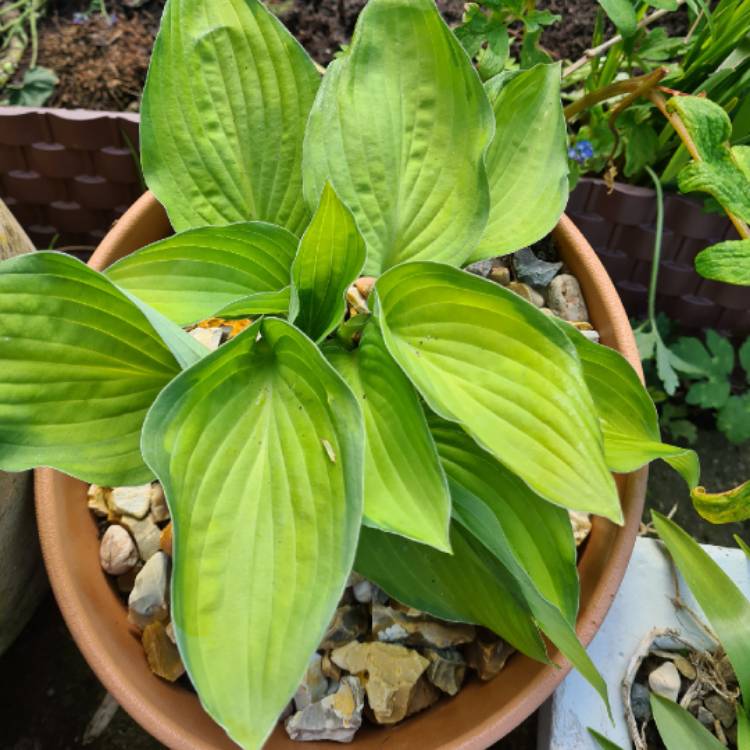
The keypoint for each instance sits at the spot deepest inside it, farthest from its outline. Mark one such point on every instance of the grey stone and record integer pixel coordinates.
(447, 669)
(532, 270)
(394, 626)
(640, 701)
(336, 717)
(565, 298)
(131, 501)
(149, 600)
(146, 534)
(705, 717)
(665, 681)
(480, 268)
(117, 551)
(724, 711)
(349, 622)
(314, 685)
(592, 335)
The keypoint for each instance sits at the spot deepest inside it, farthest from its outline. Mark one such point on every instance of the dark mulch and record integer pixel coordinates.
(102, 61)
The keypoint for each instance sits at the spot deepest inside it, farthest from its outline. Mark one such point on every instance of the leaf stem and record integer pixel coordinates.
(656, 259)
(642, 84)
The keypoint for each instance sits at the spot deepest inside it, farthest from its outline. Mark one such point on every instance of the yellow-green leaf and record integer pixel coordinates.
(223, 115)
(726, 261)
(330, 256)
(399, 127)
(406, 491)
(723, 507)
(483, 357)
(259, 449)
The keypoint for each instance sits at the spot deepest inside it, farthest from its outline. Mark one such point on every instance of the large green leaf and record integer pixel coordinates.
(628, 416)
(726, 261)
(259, 303)
(192, 275)
(522, 530)
(722, 172)
(406, 491)
(227, 97)
(530, 537)
(482, 356)
(725, 606)
(80, 365)
(259, 449)
(527, 161)
(469, 585)
(730, 506)
(679, 729)
(603, 742)
(743, 728)
(399, 127)
(622, 14)
(330, 256)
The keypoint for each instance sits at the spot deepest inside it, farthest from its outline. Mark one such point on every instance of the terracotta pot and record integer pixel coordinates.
(22, 578)
(620, 224)
(477, 717)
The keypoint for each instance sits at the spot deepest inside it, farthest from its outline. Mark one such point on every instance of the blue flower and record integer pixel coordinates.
(581, 151)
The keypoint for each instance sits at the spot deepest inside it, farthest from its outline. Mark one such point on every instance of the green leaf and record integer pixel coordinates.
(722, 352)
(709, 394)
(482, 356)
(259, 449)
(742, 544)
(723, 172)
(36, 87)
(729, 506)
(492, 58)
(527, 161)
(628, 416)
(734, 419)
(530, 537)
(744, 356)
(330, 256)
(403, 143)
(692, 351)
(406, 491)
(641, 148)
(725, 606)
(665, 367)
(726, 261)
(524, 531)
(679, 729)
(260, 303)
(80, 365)
(622, 15)
(223, 116)
(743, 725)
(602, 741)
(469, 585)
(192, 275)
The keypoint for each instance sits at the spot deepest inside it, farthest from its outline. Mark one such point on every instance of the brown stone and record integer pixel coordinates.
(165, 539)
(423, 695)
(364, 285)
(329, 669)
(348, 623)
(581, 523)
(487, 655)
(722, 709)
(162, 655)
(500, 275)
(525, 291)
(97, 500)
(392, 673)
(392, 625)
(565, 298)
(685, 668)
(159, 509)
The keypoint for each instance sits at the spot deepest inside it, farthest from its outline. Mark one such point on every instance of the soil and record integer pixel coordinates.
(102, 59)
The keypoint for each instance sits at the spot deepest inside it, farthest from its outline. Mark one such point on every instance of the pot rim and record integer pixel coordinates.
(601, 567)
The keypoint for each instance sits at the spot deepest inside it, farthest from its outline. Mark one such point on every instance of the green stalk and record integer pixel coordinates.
(656, 260)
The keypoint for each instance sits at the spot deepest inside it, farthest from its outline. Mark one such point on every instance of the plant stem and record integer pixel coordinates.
(642, 84)
(599, 50)
(656, 259)
(679, 127)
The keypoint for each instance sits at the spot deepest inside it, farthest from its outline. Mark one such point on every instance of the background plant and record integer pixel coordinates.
(274, 450)
(728, 613)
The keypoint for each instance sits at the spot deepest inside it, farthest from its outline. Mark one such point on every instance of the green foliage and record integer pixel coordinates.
(276, 448)
(36, 87)
(622, 15)
(679, 729)
(485, 34)
(726, 261)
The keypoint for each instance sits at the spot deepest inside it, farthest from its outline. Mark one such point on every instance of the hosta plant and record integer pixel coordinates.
(433, 441)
